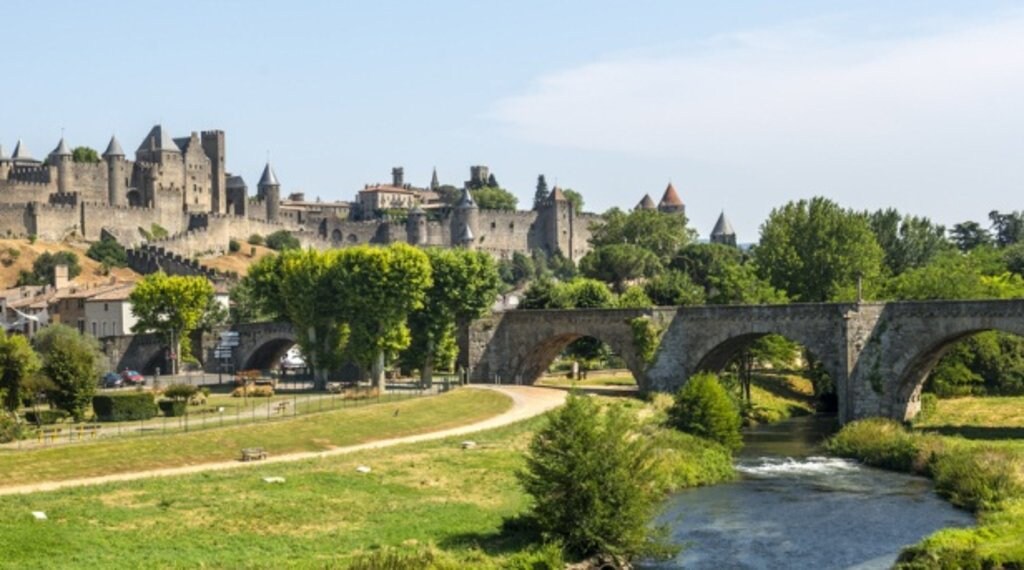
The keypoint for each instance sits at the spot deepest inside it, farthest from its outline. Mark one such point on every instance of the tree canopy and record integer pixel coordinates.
(660, 233)
(619, 263)
(173, 306)
(18, 362)
(43, 268)
(72, 361)
(282, 240)
(494, 198)
(85, 154)
(907, 241)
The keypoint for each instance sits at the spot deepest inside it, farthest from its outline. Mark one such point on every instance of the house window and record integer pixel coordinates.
(104, 328)
(94, 328)
(105, 307)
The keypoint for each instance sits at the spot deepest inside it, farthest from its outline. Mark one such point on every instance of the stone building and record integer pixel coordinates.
(722, 232)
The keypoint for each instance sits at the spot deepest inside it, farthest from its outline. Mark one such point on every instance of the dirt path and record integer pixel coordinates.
(527, 402)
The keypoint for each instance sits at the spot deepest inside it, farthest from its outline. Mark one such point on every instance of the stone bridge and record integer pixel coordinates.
(878, 354)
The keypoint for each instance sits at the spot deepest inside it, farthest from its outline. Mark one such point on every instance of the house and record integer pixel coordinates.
(109, 313)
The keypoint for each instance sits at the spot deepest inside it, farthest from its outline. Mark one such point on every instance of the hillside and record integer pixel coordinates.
(13, 263)
(239, 261)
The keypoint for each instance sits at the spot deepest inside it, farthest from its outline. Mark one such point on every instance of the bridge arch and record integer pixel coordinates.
(267, 354)
(531, 363)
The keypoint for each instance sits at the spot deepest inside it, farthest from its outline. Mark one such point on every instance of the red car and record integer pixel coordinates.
(132, 377)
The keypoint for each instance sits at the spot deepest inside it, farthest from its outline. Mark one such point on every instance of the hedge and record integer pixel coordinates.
(172, 408)
(45, 417)
(125, 406)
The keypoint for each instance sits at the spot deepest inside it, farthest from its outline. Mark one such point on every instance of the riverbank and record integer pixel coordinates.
(976, 467)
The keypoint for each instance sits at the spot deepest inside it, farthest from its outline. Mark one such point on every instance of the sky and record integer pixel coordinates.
(742, 105)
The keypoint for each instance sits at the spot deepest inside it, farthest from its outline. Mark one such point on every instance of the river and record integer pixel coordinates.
(793, 507)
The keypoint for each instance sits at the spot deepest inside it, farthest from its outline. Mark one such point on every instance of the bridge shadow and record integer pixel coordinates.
(779, 385)
(977, 432)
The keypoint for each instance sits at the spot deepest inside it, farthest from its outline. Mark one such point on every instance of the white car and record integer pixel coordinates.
(292, 360)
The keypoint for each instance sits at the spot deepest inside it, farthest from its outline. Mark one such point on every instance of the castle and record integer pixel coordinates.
(182, 186)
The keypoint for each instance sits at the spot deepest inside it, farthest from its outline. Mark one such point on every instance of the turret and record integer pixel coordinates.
(416, 226)
(214, 149)
(5, 164)
(114, 157)
(465, 221)
(158, 146)
(398, 177)
(434, 182)
(559, 223)
(269, 190)
(61, 158)
(723, 232)
(646, 203)
(670, 202)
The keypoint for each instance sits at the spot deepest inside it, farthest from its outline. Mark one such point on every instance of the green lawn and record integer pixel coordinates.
(313, 432)
(594, 378)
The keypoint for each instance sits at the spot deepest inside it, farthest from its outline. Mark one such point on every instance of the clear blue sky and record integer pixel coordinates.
(743, 105)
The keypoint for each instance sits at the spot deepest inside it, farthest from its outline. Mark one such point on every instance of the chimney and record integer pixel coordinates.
(398, 177)
(60, 276)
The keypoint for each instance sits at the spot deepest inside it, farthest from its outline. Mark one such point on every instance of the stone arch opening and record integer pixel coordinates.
(268, 354)
(135, 198)
(158, 360)
(586, 350)
(336, 236)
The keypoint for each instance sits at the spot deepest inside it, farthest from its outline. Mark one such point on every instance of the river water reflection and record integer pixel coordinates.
(795, 508)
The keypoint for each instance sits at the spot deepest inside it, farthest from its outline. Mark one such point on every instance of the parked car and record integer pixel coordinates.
(111, 380)
(132, 377)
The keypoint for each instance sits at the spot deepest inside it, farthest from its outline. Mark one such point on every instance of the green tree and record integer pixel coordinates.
(619, 263)
(43, 268)
(701, 260)
(541, 194)
(494, 198)
(660, 233)
(173, 306)
(672, 288)
(518, 270)
(85, 154)
(1008, 228)
(464, 286)
(907, 241)
(981, 274)
(739, 284)
(574, 198)
(72, 361)
(283, 240)
(244, 305)
(969, 235)
(18, 362)
(542, 294)
(703, 408)
(815, 251)
(1013, 257)
(634, 298)
(593, 482)
(108, 252)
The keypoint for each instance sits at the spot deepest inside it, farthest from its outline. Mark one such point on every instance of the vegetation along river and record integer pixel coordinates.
(794, 507)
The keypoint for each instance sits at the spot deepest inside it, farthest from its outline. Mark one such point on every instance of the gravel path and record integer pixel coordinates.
(527, 401)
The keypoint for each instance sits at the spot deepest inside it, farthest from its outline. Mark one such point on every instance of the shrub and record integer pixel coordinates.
(43, 268)
(157, 231)
(594, 484)
(703, 408)
(72, 361)
(10, 428)
(252, 391)
(256, 239)
(978, 478)
(173, 408)
(388, 559)
(180, 392)
(282, 240)
(108, 252)
(45, 417)
(234, 246)
(124, 406)
(929, 403)
(879, 442)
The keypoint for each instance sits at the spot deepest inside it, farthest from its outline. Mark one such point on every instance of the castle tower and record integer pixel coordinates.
(158, 146)
(114, 157)
(670, 202)
(416, 226)
(21, 155)
(559, 217)
(723, 232)
(434, 183)
(465, 221)
(646, 203)
(237, 196)
(269, 190)
(398, 177)
(215, 150)
(5, 164)
(61, 158)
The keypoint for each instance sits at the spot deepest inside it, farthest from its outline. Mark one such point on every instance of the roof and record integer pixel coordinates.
(268, 178)
(159, 140)
(119, 293)
(62, 149)
(557, 195)
(387, 188)
(670, 197)
(723, 227)
(236, 182)
(466, 201)
(646, 203)
(113, 148)
(21, 153)
(466, 235)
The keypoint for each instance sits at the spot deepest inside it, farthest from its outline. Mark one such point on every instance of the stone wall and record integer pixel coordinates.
(89, 181)
(53, 222)
(15, 220)
(122, 221)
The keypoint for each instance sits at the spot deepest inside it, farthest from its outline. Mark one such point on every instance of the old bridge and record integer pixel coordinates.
(878, 354)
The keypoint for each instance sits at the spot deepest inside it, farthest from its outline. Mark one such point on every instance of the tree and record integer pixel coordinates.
(464, 286)
(739, 284)
(85, 154)
(672, 288)
(494, 198)
(283, 240)
(619, 263)
(244, 305)
(980, 274)
(541, 194)
(574, 198)
(542, 294)
(1008, 228)
(518, 270)
(72, 361)
(18, 362)
(634, 298)
(969, 235)
(43, 268)
(108, 252)
(1013, 256)
(172, 306)
(703, 408)
(492, 181)
(660, 233)
(907, 241)
(815, 251)
(593, 482)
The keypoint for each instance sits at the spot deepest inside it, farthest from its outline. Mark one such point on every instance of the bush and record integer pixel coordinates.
(978, 478)
(108, 252)
(234, 246)
(173, 408)
(594, 484)
(703, 408)
(282, 240)
(43, 268)
(45, 417)
(879, 442)
(252, 391)
(180, 392)
(125, 406)
(929, 404)
(10, 428)
(256, 239)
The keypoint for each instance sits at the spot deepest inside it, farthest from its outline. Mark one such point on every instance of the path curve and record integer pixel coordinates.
(527, 402)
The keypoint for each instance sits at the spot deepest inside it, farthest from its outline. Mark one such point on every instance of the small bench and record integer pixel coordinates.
(49, 434)
(281, 407)
(90, 431)
(253, 454)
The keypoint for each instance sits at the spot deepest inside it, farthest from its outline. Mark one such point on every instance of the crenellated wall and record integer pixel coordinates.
(122, 221)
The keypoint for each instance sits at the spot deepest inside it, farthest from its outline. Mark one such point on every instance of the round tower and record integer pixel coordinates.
(465, 221)
(416, 227)
(114, 157)
(269, 190)
(61, 158)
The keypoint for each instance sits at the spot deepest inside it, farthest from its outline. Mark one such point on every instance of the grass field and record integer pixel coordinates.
(594, 378)
(417, 496)
(313, 432)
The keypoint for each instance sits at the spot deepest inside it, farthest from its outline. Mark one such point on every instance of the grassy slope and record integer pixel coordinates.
(780, 396)
(423, 494)
(312, 432)
(91, 271)
(238, 261)
(974, 449)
